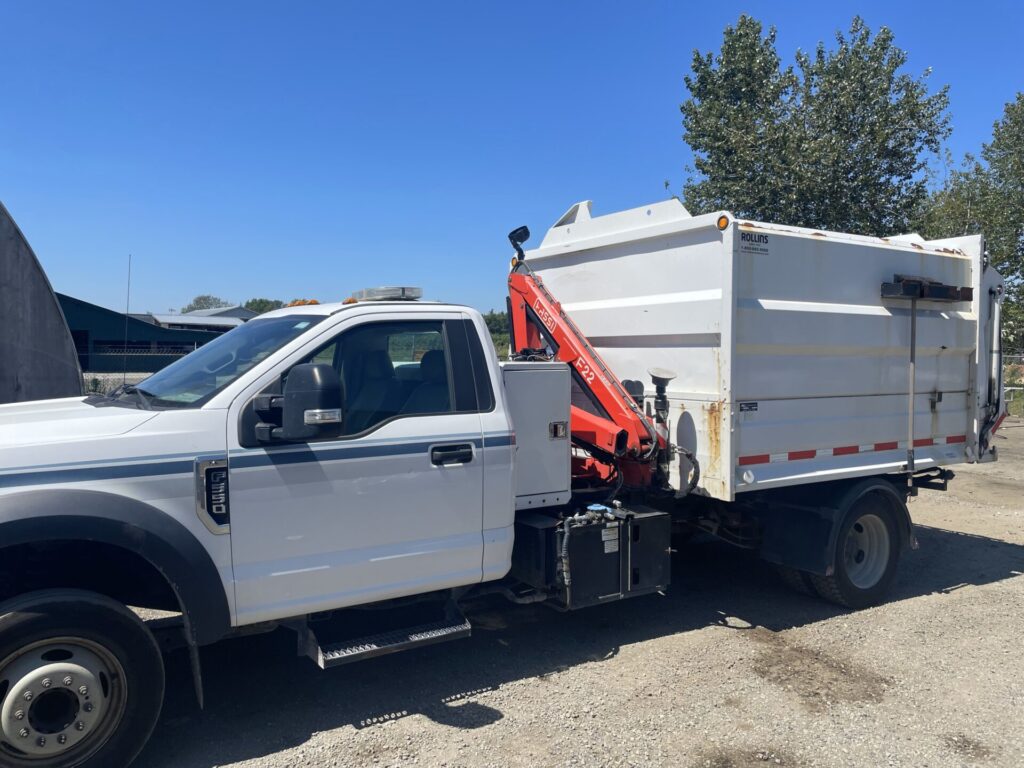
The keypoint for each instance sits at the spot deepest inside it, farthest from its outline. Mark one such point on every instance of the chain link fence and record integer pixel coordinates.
(1013, 383)
(105, 383)
(103, 371)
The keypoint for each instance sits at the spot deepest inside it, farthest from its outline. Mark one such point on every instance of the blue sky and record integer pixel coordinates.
(308, 149)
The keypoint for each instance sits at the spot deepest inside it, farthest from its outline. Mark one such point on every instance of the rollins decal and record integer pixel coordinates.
(754, 237)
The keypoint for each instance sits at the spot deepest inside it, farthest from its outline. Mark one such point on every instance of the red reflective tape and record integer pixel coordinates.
(845, 450)
(887, 446)
(761, 458)
(923, 441)
(795, 455)
(957, 439)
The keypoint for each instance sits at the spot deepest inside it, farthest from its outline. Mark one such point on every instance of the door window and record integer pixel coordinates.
(395, 369)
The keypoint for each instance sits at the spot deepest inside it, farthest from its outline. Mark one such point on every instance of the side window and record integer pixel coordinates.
(326, 354)
(400, 368)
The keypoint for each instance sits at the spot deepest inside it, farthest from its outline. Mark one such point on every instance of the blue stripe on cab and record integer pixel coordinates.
(90, 474)
(80, 473)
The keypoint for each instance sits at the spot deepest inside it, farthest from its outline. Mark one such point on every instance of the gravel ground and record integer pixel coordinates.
(729, 670)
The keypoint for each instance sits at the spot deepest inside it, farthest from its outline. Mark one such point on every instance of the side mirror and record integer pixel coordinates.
(517, 237)
(311, 406)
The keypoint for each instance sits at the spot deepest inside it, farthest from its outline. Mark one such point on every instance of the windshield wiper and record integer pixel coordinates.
(141, 396)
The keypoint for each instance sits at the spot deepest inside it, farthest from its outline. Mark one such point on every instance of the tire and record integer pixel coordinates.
(798, 581)
(81, 681)
(867, 553)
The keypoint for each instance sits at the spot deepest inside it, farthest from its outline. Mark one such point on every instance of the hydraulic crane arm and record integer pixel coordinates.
(606, 420)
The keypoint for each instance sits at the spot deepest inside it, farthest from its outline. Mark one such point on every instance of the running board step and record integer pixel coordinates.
(328, 655)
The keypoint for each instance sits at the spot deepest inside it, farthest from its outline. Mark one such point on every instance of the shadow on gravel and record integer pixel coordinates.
(261, 698)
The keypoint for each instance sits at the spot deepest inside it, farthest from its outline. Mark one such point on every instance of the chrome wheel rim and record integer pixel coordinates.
(61, 699)
(866, 551)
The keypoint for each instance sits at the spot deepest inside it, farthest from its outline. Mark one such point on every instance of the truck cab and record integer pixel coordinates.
(298, 527)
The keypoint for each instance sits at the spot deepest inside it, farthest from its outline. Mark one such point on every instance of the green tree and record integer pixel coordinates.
(738, 121)
(205, 301)
(497, 325)
(497, 322)
(841, 142)
(986, 196)
(263, 305)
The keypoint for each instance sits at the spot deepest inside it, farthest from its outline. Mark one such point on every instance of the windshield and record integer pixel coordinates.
(195, 378)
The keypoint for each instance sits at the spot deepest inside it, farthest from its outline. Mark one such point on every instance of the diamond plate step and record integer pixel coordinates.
(357, 649)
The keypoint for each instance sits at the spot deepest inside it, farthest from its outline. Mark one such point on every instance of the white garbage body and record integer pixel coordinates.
(789, 366)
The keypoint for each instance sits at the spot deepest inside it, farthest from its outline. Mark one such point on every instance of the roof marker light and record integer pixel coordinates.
(389, 293)
(723, 222)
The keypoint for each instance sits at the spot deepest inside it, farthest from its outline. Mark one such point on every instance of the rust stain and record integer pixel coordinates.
(818, 234)
(713, 429)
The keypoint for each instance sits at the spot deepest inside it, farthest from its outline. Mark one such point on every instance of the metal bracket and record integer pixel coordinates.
(937, 480)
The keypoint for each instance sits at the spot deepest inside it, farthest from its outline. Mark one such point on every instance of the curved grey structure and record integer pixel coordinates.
(37, 354)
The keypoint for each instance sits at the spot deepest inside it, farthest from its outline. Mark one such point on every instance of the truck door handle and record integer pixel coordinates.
(451, 454)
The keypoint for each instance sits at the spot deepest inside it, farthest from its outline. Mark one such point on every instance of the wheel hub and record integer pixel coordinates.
(866, 551)
(52, 706)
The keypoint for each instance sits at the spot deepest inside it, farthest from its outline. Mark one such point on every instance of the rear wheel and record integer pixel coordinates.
(867, 553)
(81, 681)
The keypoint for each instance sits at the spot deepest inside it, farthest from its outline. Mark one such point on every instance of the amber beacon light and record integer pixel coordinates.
(723, 222)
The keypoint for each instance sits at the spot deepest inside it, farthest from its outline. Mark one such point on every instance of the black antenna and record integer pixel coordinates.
(127, 304)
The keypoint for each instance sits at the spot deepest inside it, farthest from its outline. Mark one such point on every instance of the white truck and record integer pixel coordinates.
(322, 460)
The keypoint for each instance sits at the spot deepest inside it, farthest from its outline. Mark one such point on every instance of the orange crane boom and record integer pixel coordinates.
(607, 421)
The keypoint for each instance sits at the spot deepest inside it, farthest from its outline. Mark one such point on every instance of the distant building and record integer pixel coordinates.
(219, 320)
(99, 336)
(236, 310)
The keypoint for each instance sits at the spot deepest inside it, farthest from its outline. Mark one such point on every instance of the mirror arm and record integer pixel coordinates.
(267, 403)
(265, 433)
(269, 422)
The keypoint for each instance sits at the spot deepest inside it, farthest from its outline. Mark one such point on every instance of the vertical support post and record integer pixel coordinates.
(910, 398)
(905, 287)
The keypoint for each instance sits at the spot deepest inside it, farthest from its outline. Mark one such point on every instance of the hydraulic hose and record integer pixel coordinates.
(692, 458)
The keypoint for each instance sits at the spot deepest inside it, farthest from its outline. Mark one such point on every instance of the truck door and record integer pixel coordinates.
(394, 507)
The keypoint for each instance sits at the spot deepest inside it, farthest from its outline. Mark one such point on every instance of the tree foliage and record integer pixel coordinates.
(205, 301)
(986, 196)
(737, 121)
(839, 142)
(497, 322)
(263, 305)
(498, 326)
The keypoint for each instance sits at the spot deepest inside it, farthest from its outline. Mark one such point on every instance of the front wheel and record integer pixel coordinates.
(81, 681)
(866, 556)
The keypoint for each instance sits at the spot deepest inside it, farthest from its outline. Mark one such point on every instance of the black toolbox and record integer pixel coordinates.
(608, 559)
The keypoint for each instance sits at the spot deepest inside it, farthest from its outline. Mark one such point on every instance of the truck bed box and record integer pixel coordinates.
(790, 365)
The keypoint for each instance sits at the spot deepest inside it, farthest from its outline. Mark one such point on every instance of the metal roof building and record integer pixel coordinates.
(195, 321)
(100, 338)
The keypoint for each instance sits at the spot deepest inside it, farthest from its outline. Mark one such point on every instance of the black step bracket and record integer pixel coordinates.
(936, 479)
